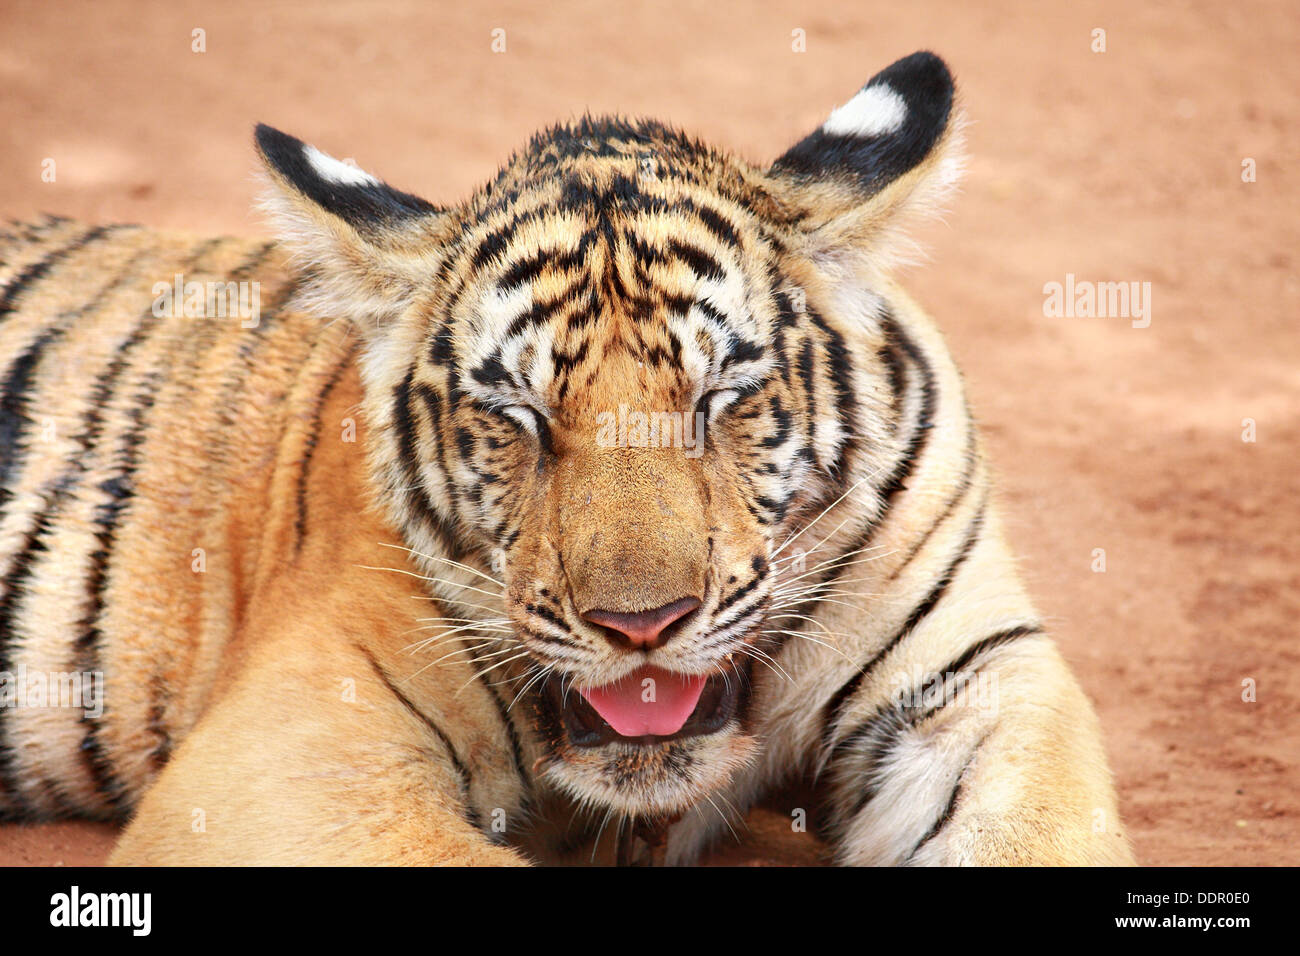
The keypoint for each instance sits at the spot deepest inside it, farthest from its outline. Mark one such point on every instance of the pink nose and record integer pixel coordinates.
(642, 630)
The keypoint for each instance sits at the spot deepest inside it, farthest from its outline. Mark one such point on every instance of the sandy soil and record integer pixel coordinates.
(1122, 165)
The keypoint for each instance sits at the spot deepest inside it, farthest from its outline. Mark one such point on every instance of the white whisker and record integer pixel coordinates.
(807, 637)
(791, 540)
(425, 577)
(455, 564)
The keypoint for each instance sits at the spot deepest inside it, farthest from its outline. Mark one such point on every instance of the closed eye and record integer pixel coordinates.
(531, 421)
(715, 401)
(523, 418)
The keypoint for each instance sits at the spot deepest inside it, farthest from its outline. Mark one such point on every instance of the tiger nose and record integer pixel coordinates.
(642, 630)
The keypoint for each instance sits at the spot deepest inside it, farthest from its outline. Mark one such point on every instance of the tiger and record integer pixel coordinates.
(608, 502)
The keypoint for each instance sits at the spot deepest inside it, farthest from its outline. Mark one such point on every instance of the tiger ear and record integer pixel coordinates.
(363, 247)
(890, 153)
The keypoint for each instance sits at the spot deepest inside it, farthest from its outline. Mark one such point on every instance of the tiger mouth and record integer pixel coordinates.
(718, 702)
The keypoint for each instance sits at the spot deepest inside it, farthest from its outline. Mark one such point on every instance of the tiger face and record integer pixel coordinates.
(617, 382)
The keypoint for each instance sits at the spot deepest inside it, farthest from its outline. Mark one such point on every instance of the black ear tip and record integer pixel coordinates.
(922, 71)
(925, 84)
(275, 145)
(921, 60)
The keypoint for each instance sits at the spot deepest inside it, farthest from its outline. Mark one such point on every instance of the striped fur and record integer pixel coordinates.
(334, 567)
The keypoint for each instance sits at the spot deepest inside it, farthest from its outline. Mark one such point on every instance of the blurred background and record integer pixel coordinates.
(1165, 153)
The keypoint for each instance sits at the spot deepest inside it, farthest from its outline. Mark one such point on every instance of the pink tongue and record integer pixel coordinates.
(647, 701)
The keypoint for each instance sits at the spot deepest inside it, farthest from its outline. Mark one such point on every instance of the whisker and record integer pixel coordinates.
(724, 817)
(760, 655)
(608, 813)
(416, 647)
(443, 600)
(816, 600)
(541, 673)
(474, 626)
(835, 557)
(791, 540)
(468, 621)
(425, 577)
(463, 649)
(455, 564)
(726, 678)
(813, 595)
(807, 637)
(481, 657)
(810, 620)
(848, 554)
(484, 673)
(834, 567)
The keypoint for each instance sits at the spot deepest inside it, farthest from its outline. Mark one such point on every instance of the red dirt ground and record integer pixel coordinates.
(1122, 165)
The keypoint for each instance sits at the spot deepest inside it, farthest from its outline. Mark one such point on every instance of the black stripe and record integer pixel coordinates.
(897, 343)
(949, 809)
(53, 495)
(160, 696)
(18, 572)
(201, 344)
(807, 375)
(963, 488)
(121, 490)
(700, 262)
(737, 594)
(881, 732)
(841, 367)
(15, 402)
(871, 742)
(255, 261)
(543, 638)
(416, 496)
(784, 424)
(246, 360)
(15, 399)
(462, 772)
(524, 271)
(546, 614)
(108, 516)
(544, 311)
(714, 221)
(916, 443)
(832, 711)
(313, 437)
(896, 372)
(987, 645)
(38, 270)
(512, 733)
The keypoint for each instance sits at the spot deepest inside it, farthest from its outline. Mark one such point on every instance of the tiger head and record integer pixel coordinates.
(618, 380)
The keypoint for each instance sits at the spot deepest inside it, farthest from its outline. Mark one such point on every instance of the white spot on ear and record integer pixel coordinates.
(875, 111)
(336, 171)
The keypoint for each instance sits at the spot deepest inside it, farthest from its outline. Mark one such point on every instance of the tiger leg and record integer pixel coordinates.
(1000, 765)
(327, 749)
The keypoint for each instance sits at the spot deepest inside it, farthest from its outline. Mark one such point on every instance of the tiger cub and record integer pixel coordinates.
(623, 493)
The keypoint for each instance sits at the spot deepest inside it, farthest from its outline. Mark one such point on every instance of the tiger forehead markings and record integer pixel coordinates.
(663, 494)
